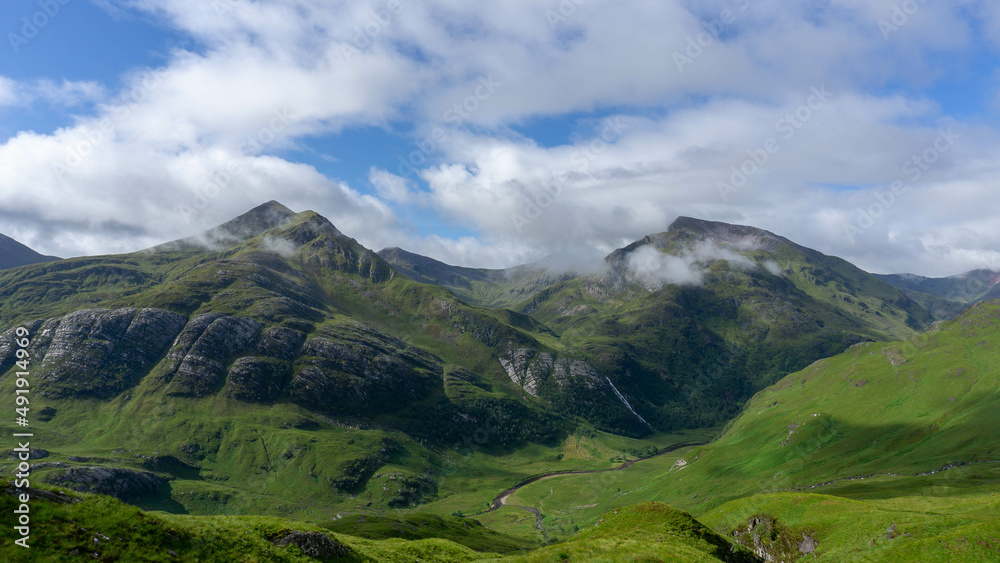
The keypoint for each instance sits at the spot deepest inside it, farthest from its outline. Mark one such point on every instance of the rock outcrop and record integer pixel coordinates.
(356, 369)
(280, 343)
(196, 364)
(258, 379)
(314, 544)
(101, 352)
(123, 484)
(9, 347)
(530, 369)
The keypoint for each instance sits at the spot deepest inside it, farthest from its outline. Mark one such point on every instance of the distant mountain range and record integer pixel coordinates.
(477, 286)
(946, 297)
(14, 254)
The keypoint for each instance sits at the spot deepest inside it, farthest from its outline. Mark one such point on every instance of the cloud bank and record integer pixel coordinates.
(656, 268)
(706, 109)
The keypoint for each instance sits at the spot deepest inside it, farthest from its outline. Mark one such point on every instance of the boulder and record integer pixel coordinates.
(314, 544)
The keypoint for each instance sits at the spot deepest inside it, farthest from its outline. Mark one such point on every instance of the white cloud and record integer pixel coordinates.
(8, 92)
(653, 267)
(391, 187)
(67, 93)
(686, 267)
(321, 68)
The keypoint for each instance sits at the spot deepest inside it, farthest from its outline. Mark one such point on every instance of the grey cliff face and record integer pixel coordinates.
(280, 343)
(258, 379)
(8, 344)
(100, 352)
(196, 364)
(358, 369)
(530, 369)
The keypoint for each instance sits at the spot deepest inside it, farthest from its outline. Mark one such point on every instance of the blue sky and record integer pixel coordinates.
(531, 128)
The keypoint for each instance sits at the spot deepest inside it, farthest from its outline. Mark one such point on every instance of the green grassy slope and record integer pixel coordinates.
(932, 529)
(901, 408)
(78, 526)
(645, 532)
(885, 434)
(102, 528)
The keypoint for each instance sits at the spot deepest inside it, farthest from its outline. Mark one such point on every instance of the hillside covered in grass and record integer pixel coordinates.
(275, 368)
(92, 527)
(887, 452)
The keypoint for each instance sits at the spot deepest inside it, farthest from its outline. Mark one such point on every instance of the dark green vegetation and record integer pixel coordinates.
(13, 254)
(86, 527)
(273, 366)
(421, 525)
(73, 526)
(946, 297)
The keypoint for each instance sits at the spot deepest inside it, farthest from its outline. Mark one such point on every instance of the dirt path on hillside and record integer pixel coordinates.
(501, 499)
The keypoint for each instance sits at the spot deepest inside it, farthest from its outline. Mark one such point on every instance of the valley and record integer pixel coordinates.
(274, 379)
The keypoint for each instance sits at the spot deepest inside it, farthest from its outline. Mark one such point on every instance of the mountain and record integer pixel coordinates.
(14, 254)
(275, 364)
(270, 363)
(689, 323)
(886, 452)
(476, 286)
(275, 367)
(946, 297)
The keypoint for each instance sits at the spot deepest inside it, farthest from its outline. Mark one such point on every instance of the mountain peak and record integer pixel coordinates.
(13, 254)
(262, 218)
(258, 220)
(724, 231)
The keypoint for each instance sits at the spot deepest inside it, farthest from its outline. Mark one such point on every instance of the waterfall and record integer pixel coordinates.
(622, 397)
